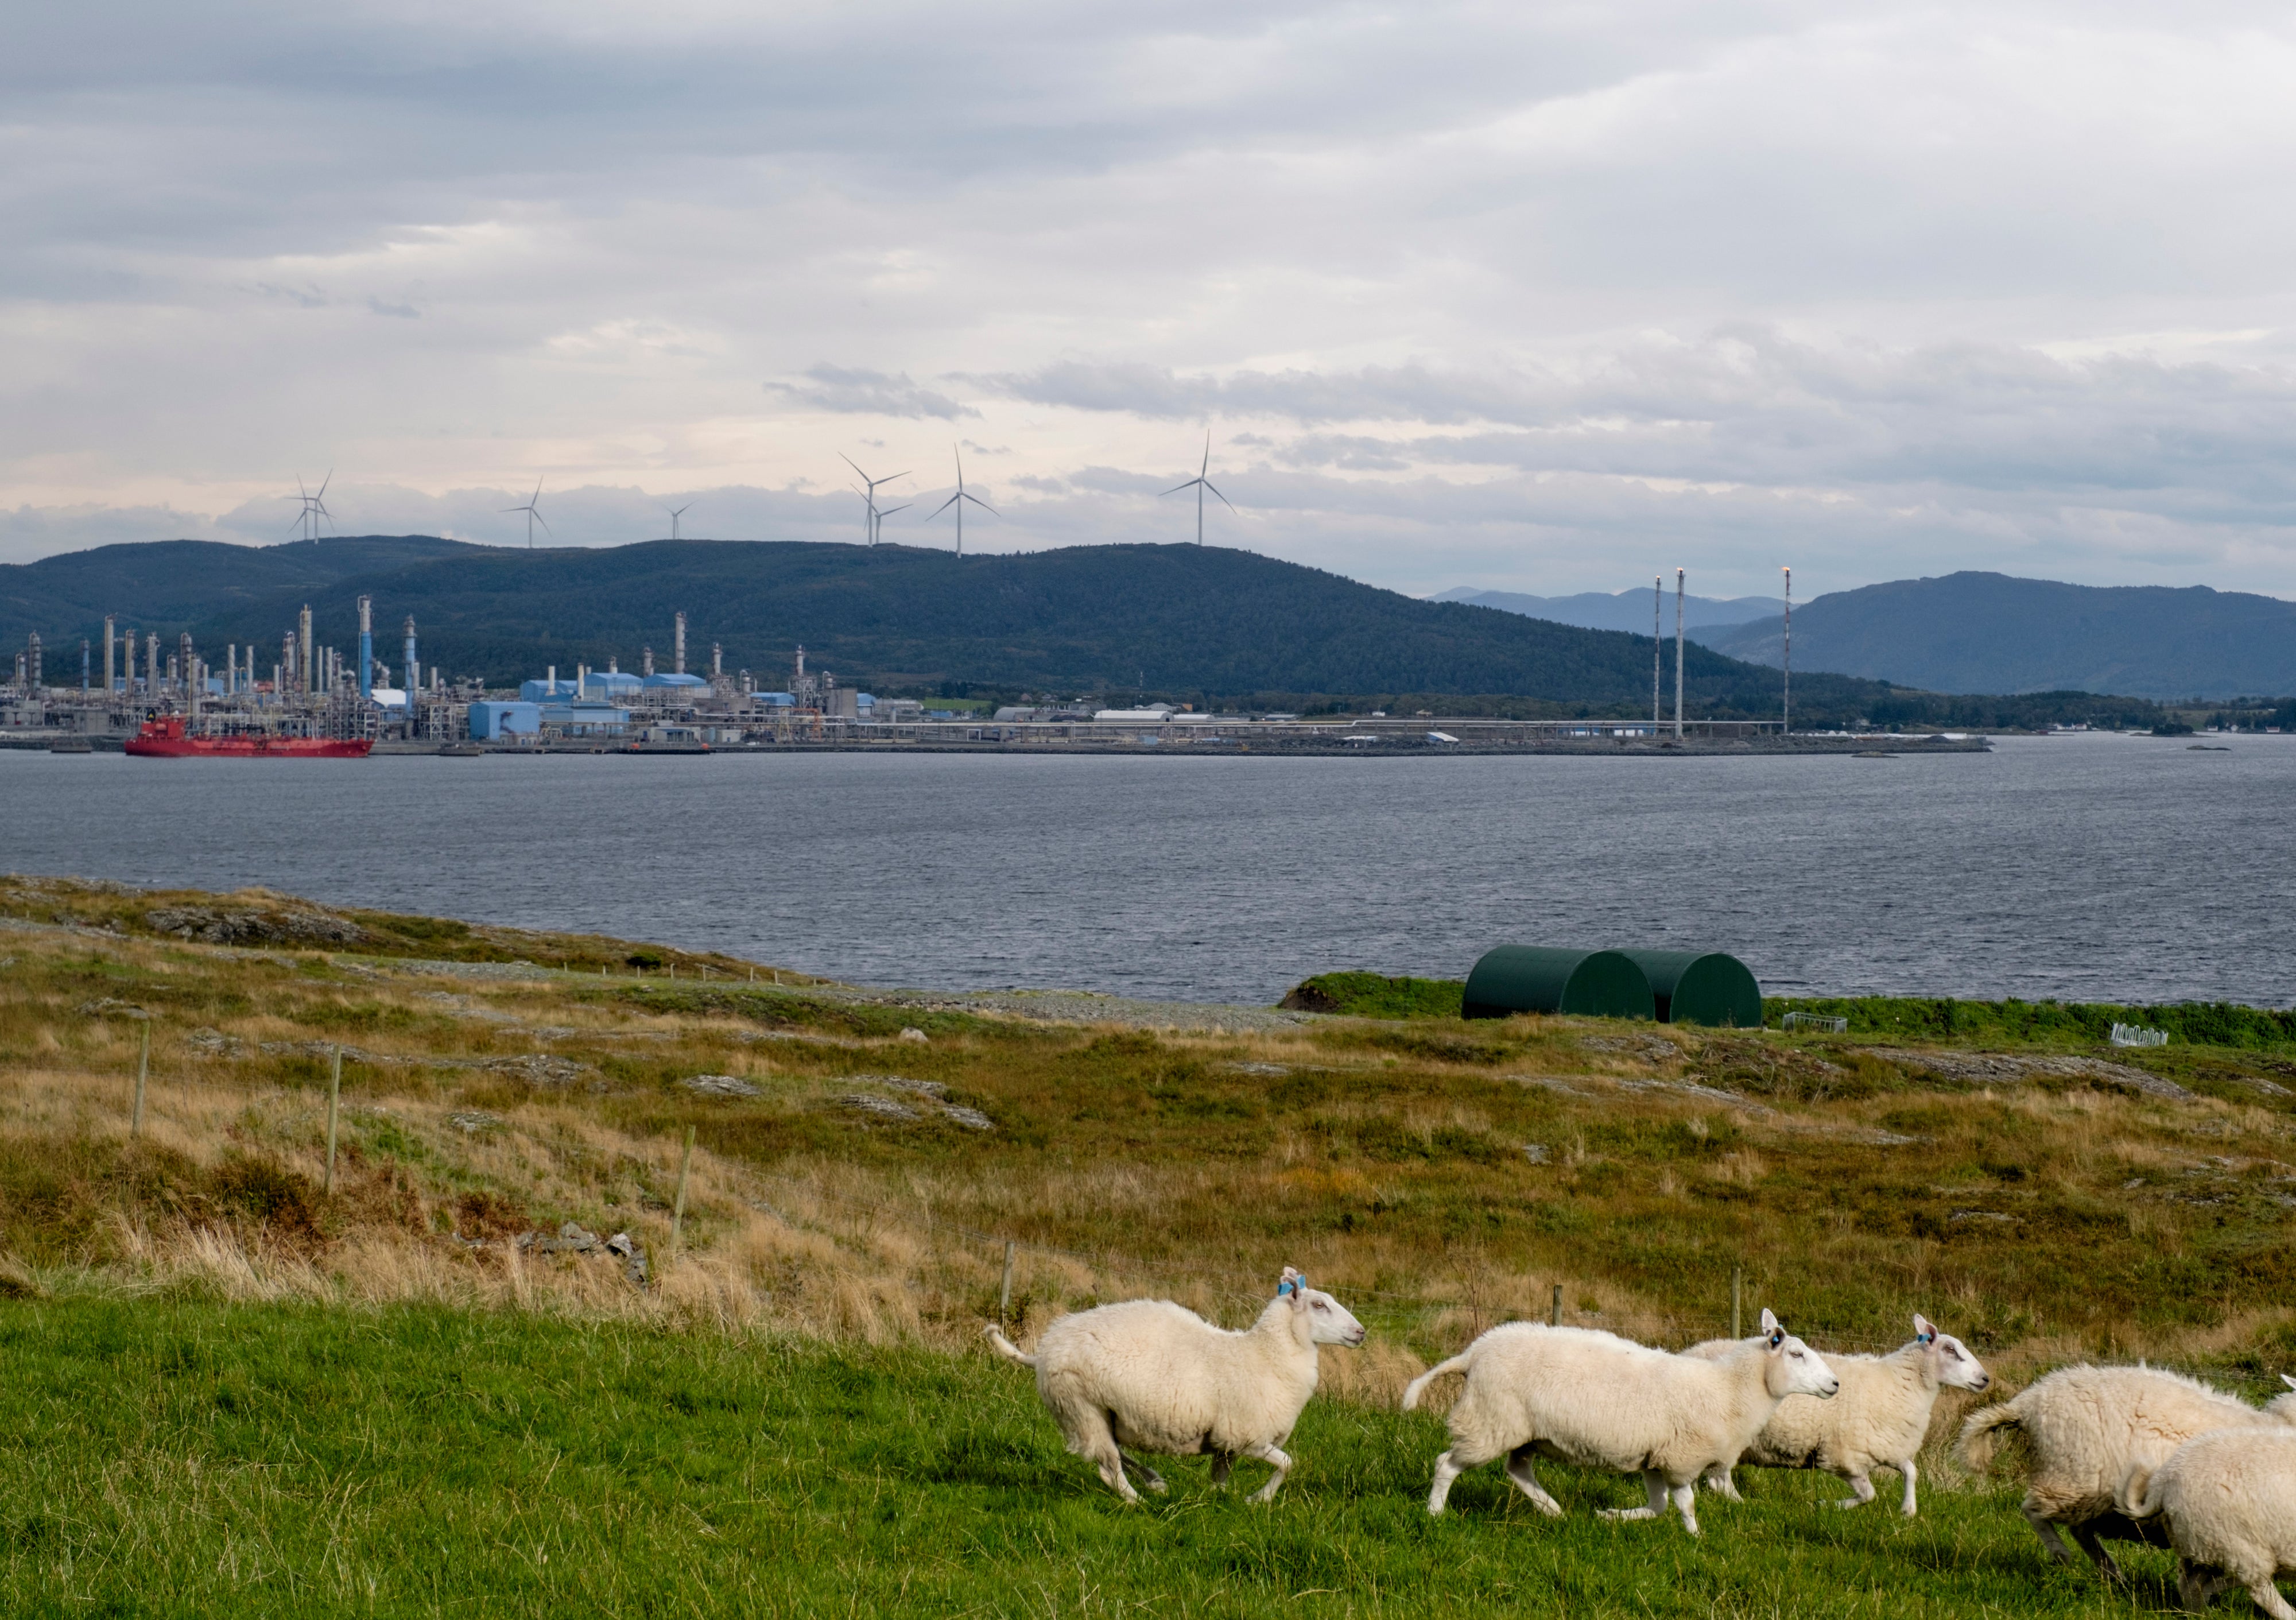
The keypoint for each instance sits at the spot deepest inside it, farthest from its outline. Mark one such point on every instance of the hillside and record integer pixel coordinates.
(1187, 623)
(170, 586)
(224, 1370)
(1626, 610)
(1988, 632)
(1172, 619)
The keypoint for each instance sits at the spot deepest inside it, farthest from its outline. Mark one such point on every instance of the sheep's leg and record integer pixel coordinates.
(2097, 1555)
(1095, 1440)
(1155, 1480)
(1685, 1502)
(1654, 1483)
(1447, 1468)
(1282, 1463)
(2268, 1598)
(1222, 1462)
(2052, 1540)
(1718, 1481)
(1864, 1485)
(2198, 1585)
(1907, 1469)
(1521, 1470)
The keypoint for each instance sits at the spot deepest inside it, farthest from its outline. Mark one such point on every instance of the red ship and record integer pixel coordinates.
(168, 738)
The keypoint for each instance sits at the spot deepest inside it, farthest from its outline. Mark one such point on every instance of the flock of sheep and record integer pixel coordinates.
(2113, 1453)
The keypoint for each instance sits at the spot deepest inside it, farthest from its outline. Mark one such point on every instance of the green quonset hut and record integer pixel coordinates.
(1701, 987)
(1545, 979)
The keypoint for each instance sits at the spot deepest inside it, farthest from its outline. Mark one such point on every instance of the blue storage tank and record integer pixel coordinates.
(677, 683)
(546, 692)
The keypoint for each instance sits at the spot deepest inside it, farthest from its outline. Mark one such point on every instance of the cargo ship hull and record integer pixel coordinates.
(166, 739)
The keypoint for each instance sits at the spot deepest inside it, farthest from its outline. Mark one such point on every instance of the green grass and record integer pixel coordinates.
(1370, 995)
(184, 1457)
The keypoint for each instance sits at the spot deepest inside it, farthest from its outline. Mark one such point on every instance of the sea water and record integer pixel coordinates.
(2089, 867)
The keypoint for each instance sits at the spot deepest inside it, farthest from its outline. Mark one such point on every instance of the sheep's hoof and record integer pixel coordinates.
(1158, 1486)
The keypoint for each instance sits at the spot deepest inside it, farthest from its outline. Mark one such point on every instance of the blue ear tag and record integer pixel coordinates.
(1286, 1287)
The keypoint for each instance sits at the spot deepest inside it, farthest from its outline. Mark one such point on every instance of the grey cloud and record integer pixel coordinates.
(404, 312)
(871, 393)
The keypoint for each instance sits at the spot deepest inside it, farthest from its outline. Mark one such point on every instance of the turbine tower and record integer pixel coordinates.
(532, 515)
(315, 506)
(675, 513)
(875, 521)
(1201, 483)
(957, 500)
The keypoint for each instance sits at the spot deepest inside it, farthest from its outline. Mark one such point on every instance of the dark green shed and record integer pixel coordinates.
(1701, 987)
(1544, 979)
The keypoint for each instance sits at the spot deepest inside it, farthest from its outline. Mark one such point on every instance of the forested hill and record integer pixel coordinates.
(1179, 622)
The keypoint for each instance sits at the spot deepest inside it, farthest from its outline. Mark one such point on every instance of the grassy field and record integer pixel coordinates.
(178, 1457)
(241, 1392)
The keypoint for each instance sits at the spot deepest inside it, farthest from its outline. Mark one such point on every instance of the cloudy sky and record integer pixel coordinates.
(1539, 298)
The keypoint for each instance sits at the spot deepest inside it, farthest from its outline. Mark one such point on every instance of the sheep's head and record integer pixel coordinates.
(2284, 1407)
(1792, 1368)
(1326, 1320)
(1954, 1367)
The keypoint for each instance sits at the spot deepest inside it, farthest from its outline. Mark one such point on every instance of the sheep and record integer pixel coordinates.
(2087, 1428)
(1154, 1377)
(1583, 1397)
(2229, 1498)
(1879, 1419)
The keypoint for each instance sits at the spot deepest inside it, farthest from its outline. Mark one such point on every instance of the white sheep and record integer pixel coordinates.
(2229, 1498)
(1592, 1398)
(1151, 1376)
(1878, 1420)
(2086, 1430)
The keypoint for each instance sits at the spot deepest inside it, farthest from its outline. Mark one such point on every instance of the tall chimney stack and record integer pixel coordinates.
(306, 667)
(107, 654)
(366, 647)
(414, 671)
(680, 653)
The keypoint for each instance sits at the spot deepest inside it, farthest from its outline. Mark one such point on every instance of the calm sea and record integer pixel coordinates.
(2084, 867)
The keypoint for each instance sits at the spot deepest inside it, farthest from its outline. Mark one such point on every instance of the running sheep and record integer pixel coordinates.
(1878, 1420)
(1151, 1376)
(1583, 1397)
(2087, 1428)
(2229, 1499)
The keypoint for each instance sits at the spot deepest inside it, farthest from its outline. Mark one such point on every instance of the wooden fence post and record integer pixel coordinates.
(677, 1210)
(1004, 1294)
(1737, 1321)
(335, 1108)
(142, 1075)
(1555, 1313)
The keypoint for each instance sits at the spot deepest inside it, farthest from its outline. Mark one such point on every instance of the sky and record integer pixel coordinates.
(1537, 298)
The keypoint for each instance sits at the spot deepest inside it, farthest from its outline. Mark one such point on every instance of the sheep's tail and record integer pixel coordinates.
(1005, 1347)
(2138, 1498)
(1418, 1386)
(1979, 1440)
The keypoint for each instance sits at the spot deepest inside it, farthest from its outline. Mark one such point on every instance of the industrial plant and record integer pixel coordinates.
(130, 691)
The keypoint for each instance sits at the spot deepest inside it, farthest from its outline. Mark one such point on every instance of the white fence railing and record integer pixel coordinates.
(2132, 1034)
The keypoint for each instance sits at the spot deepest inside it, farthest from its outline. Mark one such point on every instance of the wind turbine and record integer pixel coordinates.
(958, 500)
(875, 521)
(533, 516)
(314, 507)
(675, 513)
(1201, 483)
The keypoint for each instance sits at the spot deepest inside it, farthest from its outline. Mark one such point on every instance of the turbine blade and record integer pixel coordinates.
(1207, 467)
(544, 521)
(1223, 499)
(849, 461)
(937, 511)
(1176, 489)
(329, 478)
(513, 508)
(889, 511)
(984, 506)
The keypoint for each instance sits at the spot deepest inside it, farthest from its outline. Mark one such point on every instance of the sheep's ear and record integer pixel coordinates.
(1769, 1321)
(2284, 1378)
(1290, 1283)
(1925, 1330)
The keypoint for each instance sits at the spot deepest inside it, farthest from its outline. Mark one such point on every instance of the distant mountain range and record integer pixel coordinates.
(1629, 611)
(1988, 632)
(1183, 621)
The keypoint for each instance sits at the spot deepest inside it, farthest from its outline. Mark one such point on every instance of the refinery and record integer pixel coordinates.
(132, 692)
